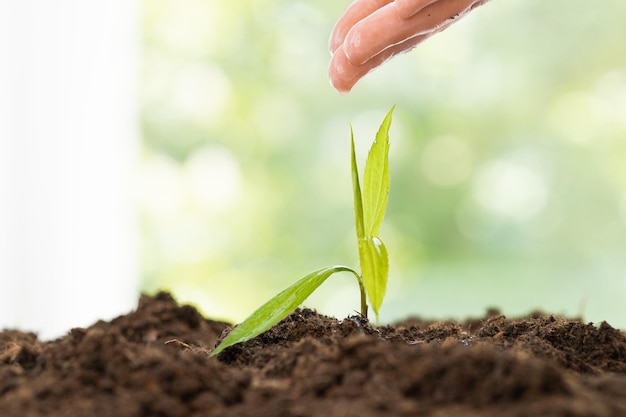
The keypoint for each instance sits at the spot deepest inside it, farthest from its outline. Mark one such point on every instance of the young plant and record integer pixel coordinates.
(370, 203)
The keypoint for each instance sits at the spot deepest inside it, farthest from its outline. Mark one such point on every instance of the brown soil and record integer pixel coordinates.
(154, 362)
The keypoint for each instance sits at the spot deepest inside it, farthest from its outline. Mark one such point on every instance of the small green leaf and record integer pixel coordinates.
(356, 191)
(376, 180)
(279, 307)
(375, 270)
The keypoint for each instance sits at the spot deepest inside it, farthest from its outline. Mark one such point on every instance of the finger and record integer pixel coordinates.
(344, 75)
(478, 3)
(407, 8)
(375, 33)
(356, 11)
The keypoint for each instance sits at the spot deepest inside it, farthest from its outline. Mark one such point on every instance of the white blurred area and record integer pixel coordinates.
(68, 143)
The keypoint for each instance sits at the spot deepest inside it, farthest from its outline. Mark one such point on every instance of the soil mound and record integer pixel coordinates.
(154, 362)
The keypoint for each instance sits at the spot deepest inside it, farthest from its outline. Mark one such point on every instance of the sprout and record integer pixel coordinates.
(370, 204)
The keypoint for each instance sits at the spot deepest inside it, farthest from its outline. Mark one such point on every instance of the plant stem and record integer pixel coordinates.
(359, 279)
(362, 291)
(363, 297)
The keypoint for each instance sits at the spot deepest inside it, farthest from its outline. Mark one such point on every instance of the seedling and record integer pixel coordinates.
(370, 203)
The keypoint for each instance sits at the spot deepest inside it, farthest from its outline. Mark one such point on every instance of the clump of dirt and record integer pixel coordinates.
(154, 362)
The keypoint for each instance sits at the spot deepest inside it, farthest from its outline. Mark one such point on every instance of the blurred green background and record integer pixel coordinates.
(508, 159)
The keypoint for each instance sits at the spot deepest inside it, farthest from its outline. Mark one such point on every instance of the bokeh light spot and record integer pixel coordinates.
(511, 189)
(200, 92)
(160, 191)
(214, 178)
(572, 117)
(447, 161)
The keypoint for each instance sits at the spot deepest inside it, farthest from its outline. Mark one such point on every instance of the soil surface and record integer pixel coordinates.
(154, 362)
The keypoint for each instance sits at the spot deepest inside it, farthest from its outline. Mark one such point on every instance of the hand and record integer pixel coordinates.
(370, 32)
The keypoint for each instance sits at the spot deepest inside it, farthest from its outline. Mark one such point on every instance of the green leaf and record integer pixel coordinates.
(374, 269)
(279, 307)
(376, 180)
(370, 205)
(356, 191)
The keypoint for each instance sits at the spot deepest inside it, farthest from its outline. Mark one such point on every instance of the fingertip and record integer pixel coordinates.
(343, 25)
(340, 72)
(340, 86)
(373, 34)
(355, 12)
(336, 39)
(357, 50)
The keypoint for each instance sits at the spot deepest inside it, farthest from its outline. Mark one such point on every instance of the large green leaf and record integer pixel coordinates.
(376, 180)
(374, 269)
(280, 306)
